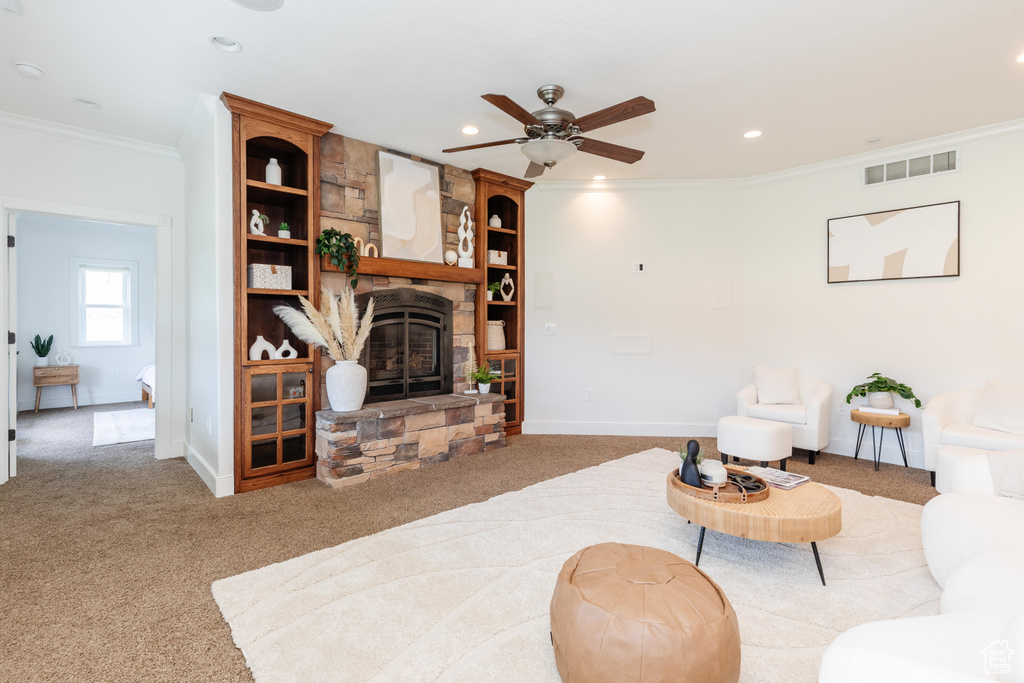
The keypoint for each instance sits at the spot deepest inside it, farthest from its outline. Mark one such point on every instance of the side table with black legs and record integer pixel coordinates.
(895, 422)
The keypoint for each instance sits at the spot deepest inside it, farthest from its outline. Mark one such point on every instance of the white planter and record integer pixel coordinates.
(490, 295)
(42, 362)
(484, 388)
(284, 234)
(346, 386)
(880, 399)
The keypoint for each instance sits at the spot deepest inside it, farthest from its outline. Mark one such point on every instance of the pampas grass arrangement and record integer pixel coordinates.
(335, 326)
(469, 367)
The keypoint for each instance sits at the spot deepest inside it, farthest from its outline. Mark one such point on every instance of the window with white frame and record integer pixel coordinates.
(106, 292)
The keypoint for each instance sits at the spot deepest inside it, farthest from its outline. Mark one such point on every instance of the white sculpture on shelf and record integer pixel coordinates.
(62, 357)
(256, 224)
(261, 346)
(507, 280)
(450, 257)
(465, 239)
(286, 350)
(364, 249)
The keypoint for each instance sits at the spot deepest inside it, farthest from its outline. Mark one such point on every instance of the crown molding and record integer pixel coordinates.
(61, 131)
(973, 136)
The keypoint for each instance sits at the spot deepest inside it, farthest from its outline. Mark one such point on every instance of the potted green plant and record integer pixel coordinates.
(284, 231)
(492, 289)
(341, 249)
(42, 350)
(879, 391)
(483, 378)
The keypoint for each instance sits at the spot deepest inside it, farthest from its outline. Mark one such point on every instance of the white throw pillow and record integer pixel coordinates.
(776, 386)
(1001, 407)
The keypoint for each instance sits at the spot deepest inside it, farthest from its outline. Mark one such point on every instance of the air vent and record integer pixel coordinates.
(905, 169)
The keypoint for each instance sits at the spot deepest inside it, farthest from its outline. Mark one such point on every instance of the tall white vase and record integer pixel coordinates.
(273, 173)
(346, 386)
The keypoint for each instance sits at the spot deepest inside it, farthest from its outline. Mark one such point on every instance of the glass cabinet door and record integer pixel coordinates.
(279, 414)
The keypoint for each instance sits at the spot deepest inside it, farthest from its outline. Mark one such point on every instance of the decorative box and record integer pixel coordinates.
(498, 258)
(269, 276)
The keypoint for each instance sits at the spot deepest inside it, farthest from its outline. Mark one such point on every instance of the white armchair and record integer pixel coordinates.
(947, 420)
(809, 419)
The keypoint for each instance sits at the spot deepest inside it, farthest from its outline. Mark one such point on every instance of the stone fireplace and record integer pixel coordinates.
(409, 352)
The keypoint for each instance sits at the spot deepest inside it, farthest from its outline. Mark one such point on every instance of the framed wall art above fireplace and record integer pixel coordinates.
(917, 242)
(410, 209)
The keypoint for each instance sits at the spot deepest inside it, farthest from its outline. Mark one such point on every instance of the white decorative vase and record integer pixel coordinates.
(490, 295)
(495, 222)
(495, 335)
(286, 351)
(346, 386)
(880, 399)
(273, 173)
(42, 362)
(484, 388)
(261, 346)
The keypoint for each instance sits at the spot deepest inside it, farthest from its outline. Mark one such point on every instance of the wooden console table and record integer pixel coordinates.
(55, 375)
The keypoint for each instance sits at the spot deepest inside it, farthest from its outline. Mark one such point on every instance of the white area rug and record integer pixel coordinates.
(122, 426)
(464, 595)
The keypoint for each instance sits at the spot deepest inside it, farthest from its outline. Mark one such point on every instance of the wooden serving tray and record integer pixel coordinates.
(723, 493)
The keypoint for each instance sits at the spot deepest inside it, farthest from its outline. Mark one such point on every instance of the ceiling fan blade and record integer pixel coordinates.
(483, 144)
(534, 170)
(608, 150)
(638, 106)
(512, 109)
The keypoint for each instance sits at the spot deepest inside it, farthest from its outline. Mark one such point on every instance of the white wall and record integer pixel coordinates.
(205, 148)
(935, 335)
(48, 166)
(47, 303)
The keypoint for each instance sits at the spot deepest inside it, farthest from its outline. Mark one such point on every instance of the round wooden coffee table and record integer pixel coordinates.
(807, 514)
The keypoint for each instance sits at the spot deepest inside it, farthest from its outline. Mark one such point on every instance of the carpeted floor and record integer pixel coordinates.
(107, 555)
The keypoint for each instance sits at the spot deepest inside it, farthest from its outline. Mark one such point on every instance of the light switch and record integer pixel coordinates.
(549, 329)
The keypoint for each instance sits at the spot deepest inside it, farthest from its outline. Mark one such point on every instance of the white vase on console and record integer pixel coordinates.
(346, 386)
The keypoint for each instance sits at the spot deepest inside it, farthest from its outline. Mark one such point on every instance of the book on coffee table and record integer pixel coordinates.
(778, 478)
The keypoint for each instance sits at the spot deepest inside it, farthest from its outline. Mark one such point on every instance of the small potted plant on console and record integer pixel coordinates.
(879, 391)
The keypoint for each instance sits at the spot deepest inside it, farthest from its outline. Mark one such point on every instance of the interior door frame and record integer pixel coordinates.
(162, 225)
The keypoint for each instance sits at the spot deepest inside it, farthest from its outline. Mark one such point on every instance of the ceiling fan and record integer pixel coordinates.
(553, 135)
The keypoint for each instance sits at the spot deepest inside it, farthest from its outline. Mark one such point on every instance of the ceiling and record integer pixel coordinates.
(819, 77)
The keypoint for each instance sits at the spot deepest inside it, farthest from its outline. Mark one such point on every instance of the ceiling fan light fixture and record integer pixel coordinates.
(548, 151)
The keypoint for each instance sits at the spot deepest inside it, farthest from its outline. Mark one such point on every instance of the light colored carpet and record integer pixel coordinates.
(123, 426)
(463, 595)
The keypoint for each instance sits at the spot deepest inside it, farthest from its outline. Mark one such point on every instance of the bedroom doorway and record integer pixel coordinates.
(82, 306)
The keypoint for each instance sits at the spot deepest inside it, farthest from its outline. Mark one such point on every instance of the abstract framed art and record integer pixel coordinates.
(916, 242)
(410, 209)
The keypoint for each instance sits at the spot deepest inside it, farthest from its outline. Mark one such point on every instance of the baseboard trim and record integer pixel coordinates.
(620, 428)
(219, 486)
(890, 451)
(67, 402)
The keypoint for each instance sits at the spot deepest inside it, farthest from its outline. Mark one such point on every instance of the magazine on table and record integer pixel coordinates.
(778, 478)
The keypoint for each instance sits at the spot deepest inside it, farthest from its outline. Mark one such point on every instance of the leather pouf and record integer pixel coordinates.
(633, 613)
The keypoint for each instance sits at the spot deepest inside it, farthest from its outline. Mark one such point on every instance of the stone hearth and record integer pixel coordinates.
(384, 438)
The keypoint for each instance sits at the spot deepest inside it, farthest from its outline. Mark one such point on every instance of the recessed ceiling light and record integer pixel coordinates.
(752, 134)
(470, 130)
(1020, 59)
(226, 44)
(29, 70)
(88, 104)
(260, 5)
(872, 141)
(600, 177)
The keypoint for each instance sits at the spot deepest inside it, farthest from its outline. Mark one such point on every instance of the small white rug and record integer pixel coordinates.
(122, 426)
(464, 595)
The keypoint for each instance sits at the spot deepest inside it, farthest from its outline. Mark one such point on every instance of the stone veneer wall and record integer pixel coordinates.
(350, 202)
(385, 438)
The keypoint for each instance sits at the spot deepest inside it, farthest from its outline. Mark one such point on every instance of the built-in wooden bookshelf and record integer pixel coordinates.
(275, 399)
(504, 197)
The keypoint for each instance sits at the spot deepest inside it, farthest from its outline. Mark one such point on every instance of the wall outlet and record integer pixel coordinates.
(638, 267)
(842, 407)
(549, 329)
(590, 394)
(209, 426)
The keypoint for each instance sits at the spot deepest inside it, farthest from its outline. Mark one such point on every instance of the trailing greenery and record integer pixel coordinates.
(341, 249)
(494, 287)
(698, 460)
(879, 383)
(264, 218)
(42, 348)
(482, 375)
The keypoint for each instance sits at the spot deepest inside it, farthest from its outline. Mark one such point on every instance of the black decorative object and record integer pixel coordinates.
(688, 471)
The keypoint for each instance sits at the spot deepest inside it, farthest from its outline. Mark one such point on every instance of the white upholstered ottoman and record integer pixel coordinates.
(753, 439)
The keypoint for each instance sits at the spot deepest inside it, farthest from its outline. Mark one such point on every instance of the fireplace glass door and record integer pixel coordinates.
(405, 355)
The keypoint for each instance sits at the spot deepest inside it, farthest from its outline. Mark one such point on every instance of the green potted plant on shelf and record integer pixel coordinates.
(879, 391)
(492, 289)
(483, 378)
(42, 350)
(341, 249)
(284, 231)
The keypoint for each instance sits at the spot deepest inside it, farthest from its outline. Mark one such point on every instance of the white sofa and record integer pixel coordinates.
(948, 420)
(974, 546)
(809, 418)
